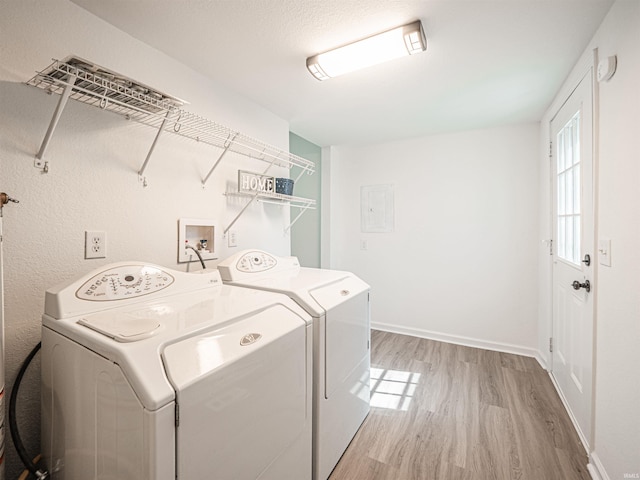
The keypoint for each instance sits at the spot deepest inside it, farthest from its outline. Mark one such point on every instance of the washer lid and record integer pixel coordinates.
(195, 358)
(304, 284)
(243, 395)
(126, 327)
(261, 270)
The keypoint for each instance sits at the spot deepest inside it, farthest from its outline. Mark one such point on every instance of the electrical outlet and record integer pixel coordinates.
(95, 244)
(232, 239)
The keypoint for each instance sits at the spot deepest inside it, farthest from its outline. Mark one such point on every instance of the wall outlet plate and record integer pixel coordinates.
(604, 252)
(232, 238)
(95, 244)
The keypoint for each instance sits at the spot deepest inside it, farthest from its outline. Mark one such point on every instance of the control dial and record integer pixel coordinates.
(254, 262)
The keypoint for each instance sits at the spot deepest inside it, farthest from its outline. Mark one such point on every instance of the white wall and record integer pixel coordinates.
(617, 442)
(616, 439)
(92, 184)
(460, 264)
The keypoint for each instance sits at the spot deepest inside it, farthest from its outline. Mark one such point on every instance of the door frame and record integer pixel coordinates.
(584, 68)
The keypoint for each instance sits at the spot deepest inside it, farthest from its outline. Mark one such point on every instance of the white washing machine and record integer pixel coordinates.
(154, 374)
(339, 304)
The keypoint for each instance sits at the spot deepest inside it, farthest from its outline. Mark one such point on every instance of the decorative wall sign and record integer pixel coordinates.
(250, 182)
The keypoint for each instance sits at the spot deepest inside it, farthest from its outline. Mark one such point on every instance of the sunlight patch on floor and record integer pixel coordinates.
(392, 389)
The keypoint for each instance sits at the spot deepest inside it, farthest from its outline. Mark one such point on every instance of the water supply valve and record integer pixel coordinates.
(4, 199)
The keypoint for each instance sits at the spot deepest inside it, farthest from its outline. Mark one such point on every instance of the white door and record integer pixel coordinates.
(573, 233)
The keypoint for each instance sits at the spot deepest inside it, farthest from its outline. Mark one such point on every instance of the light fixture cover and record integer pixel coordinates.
(406, 40)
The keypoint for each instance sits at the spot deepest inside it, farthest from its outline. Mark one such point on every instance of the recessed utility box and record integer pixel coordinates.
(198, 233)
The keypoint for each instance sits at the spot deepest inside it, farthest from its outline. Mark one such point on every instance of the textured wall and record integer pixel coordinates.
(93, 185)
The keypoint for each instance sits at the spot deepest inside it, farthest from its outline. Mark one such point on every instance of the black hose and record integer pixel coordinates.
(198, 254)
(13, 424)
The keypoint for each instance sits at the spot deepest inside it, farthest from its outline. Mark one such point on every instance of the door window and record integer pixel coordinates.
(568, 198)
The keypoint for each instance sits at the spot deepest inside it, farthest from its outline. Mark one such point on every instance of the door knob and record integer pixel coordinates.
(577, 285)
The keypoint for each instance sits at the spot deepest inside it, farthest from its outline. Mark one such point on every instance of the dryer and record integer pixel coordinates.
(155, 374)
(339, 304)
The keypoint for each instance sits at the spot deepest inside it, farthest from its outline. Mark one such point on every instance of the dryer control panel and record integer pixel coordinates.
(256, 261)
(250, 263)
(124, 281)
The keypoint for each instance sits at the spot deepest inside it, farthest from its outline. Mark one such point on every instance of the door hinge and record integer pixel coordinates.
(177, 415)
(550, 149)
(551, 344)
(551, 247)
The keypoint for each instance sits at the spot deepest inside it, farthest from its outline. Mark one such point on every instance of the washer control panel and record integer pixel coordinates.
(256, 261)
(124, 281)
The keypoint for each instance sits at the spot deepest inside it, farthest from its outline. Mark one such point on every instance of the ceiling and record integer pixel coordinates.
(488, 62)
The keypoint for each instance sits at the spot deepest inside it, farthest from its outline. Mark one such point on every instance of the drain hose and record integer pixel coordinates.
(13, 424)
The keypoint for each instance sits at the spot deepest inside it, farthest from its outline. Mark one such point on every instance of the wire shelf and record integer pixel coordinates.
(203, 130)
(277, 198)
(303, 204)
(93, 85)
(102, 88)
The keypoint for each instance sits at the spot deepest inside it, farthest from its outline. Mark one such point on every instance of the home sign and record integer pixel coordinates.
(250, 182)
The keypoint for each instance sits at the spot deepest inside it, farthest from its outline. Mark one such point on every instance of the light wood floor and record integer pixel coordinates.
(464, 414)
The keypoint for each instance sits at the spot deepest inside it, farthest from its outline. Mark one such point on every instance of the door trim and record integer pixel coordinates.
(585, 68)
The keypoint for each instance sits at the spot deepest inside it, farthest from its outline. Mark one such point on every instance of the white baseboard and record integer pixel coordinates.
(465, 341)
(596, 469)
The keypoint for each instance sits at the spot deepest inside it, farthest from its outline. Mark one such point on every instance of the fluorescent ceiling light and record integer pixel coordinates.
(399, 42)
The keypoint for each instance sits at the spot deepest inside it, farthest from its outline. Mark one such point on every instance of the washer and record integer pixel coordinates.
(339, 304)
(154, 374)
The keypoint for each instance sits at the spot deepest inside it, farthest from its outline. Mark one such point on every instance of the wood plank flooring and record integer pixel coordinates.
(450, 412)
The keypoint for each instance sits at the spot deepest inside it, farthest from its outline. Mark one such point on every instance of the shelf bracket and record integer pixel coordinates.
(39, 162)
(299, 176)
(153, 146)
(266, 170)
(240, 213)
(302, 210)
(215, 165)
(249, 202)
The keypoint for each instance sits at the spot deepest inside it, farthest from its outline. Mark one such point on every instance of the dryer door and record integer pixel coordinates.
(346, 329)
(242, 395)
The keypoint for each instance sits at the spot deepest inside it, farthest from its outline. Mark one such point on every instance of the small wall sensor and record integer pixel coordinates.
(606, 68)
